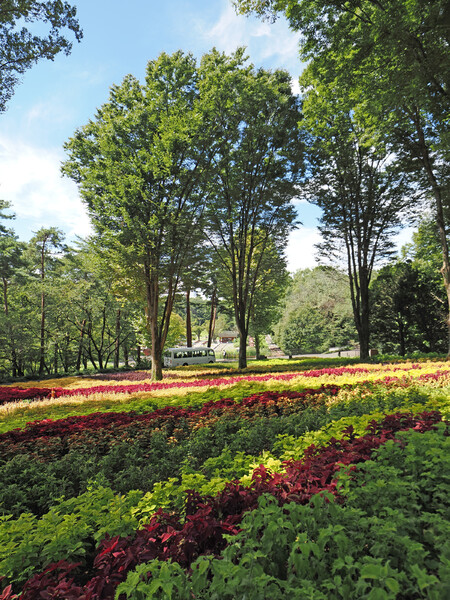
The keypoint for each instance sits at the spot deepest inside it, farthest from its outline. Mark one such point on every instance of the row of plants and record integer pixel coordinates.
(70, 486)
(47, 458)
(207, 524)
(12, 394)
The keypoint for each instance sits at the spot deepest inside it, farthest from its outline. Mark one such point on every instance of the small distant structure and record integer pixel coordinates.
(227, 336)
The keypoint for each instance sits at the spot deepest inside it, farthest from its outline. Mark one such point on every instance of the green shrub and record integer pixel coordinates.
(390, 540)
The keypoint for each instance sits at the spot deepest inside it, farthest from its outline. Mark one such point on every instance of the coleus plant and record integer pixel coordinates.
(209, 519)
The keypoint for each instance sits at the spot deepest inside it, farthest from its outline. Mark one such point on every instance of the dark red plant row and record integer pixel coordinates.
(209, 518)
(35, 437)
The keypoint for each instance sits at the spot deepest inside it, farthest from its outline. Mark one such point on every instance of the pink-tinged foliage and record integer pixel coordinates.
(209, 518)
(10, 394)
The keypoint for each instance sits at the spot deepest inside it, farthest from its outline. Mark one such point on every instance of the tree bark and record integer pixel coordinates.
(55, 359)
(117, 340)
(257, 347)
(152, 294)
(401, 332)
(427, 163)
(188, 319)
(242, 351)
(12, 343)
(212, 319)
(80, 345)
(364, 333)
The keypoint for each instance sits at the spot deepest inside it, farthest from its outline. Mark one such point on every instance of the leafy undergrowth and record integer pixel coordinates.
(336, 491)
(208, 522)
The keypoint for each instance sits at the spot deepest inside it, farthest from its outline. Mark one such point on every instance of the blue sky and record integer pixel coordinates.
(56, 97)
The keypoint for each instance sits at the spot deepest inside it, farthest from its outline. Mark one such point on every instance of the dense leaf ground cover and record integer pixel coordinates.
(316, 483)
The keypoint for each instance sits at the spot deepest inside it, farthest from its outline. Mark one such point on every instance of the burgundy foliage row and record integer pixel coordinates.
(36, 436)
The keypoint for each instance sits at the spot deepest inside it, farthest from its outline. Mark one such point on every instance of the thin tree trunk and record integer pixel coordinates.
(89, 348)
(55, 359)
(364, 333)
(212, 319)
(125, 354)
(42, 328)
(188, 319)
(80, 345)
(12, 343)
(401, 332)
(117, 341)
(66, 354)
(257, 347)
(152, 293)
(42, 336)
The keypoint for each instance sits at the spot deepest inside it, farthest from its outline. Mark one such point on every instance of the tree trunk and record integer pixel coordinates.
(42, 328)
(157, 374)
(188, 319)
(89, 348)
(212, 319)
(117, 341)
(55, 359)
(425, 157)
(242, 350)
(401, 333)
(138, 354)
(125, 354)
(257, 348)
(364, 332)
(80, 345)
(12, 343)
(152, 294)
(42, 337)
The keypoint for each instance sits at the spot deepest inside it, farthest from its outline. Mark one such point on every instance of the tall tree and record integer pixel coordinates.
(21, 47)
(363, 193)
(43, 247)
(392, 58)
(257, 165)
(139, 166)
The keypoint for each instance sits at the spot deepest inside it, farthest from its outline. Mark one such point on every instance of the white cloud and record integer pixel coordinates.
(30, 179)
(300, 250)
(404, 236)
(274, 43)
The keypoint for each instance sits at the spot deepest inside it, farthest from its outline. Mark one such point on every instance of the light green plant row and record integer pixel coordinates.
(390, 540)
(70, 530)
